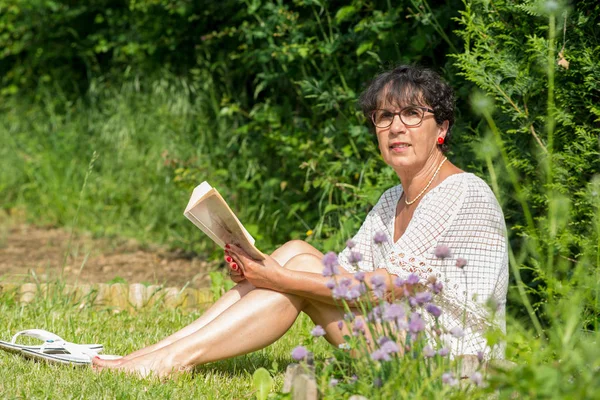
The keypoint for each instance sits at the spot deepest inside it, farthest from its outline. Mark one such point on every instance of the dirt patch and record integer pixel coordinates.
(28, 252)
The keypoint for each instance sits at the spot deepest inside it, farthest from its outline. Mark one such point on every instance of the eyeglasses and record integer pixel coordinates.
(410, 116)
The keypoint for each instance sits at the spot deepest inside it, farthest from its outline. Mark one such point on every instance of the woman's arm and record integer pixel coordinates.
(313, 286)
(268, 274)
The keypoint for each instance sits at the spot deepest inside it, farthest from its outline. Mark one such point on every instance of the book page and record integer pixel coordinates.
(221, 224)
(199, 191)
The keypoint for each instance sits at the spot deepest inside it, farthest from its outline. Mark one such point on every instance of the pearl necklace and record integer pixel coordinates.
(408, 203)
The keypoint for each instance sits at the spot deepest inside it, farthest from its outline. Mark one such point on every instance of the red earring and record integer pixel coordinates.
(440, 140)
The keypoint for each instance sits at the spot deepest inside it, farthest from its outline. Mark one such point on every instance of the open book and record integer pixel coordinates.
(210, 212)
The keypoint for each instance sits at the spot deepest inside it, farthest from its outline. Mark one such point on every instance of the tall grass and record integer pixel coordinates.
(556, 348)
(48, 144)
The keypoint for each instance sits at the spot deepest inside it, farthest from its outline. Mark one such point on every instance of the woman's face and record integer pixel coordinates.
(409, 148)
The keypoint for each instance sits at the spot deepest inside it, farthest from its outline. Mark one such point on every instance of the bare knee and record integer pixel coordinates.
(294, 248)
(305, 262)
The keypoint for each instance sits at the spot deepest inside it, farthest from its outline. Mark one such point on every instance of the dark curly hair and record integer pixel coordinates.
(407, 84)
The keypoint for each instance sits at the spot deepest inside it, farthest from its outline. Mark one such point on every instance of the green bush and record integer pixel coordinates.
(539, 65)
(272, 91)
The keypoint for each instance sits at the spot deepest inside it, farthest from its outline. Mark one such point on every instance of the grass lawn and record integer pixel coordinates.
(123, 332)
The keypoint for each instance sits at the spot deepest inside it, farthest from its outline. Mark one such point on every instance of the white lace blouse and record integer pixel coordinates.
(463, 214)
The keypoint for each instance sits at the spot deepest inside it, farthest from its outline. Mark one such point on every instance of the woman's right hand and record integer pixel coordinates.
(235, 272)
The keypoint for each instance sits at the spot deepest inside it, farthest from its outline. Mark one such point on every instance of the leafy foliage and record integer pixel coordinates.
(539, 67)
(272, 89)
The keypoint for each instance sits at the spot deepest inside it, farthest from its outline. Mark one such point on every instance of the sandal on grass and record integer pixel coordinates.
(52, 343)
(74, 357)
(54, 348)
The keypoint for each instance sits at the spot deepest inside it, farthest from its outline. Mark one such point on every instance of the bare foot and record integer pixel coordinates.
(156, 364)
(103, 362)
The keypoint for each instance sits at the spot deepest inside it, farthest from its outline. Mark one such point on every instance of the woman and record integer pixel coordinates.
(437, 209)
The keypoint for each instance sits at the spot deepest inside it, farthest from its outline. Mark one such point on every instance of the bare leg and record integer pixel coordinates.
(227, 300)
(283, 254)
(254, 322)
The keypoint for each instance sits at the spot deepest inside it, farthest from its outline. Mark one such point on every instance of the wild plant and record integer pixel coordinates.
(395, 344)
(540, 149)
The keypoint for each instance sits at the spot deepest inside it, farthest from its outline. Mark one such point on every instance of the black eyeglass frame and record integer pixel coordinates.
(399, 114)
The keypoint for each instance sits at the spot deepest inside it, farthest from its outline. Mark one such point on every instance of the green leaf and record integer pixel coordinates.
(366, 46)
(259, 88)
(330, 207)
(344, 13)
(262, 383)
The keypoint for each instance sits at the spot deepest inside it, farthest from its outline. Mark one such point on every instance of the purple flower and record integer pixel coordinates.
(380, 238)
(378, 285)
(330, 284)
(480, 356)
(299, 353)
(461, 262)
(416, 323)
(358, 327)
(402, 324)
(375, 314)
(380, 355)
(377, 382)
(359, 276)
(340, 325)
(382, 340)
(390, 347)
(339, 292)
(318, 331)
(330, 261)
(437, 287)
(428, 351)
(378, 280)
(423, 297)
(362, 288)
(399, 282)
(443, 351)
(434, 310)
(333, 382)
(412, 279)
(350, 243)
(442, 251)
(412, 302)
(346, 282)
(449, 379)
(394, 312)
(477, 378)
(457, 332)
(353, 294)
(354, 257)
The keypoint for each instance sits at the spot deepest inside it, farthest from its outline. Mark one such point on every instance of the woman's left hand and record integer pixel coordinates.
(262, 274)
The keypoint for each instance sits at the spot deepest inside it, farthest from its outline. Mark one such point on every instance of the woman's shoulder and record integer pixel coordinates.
(462, 188)
(467, 183)
(480, 200)
(479, 188)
